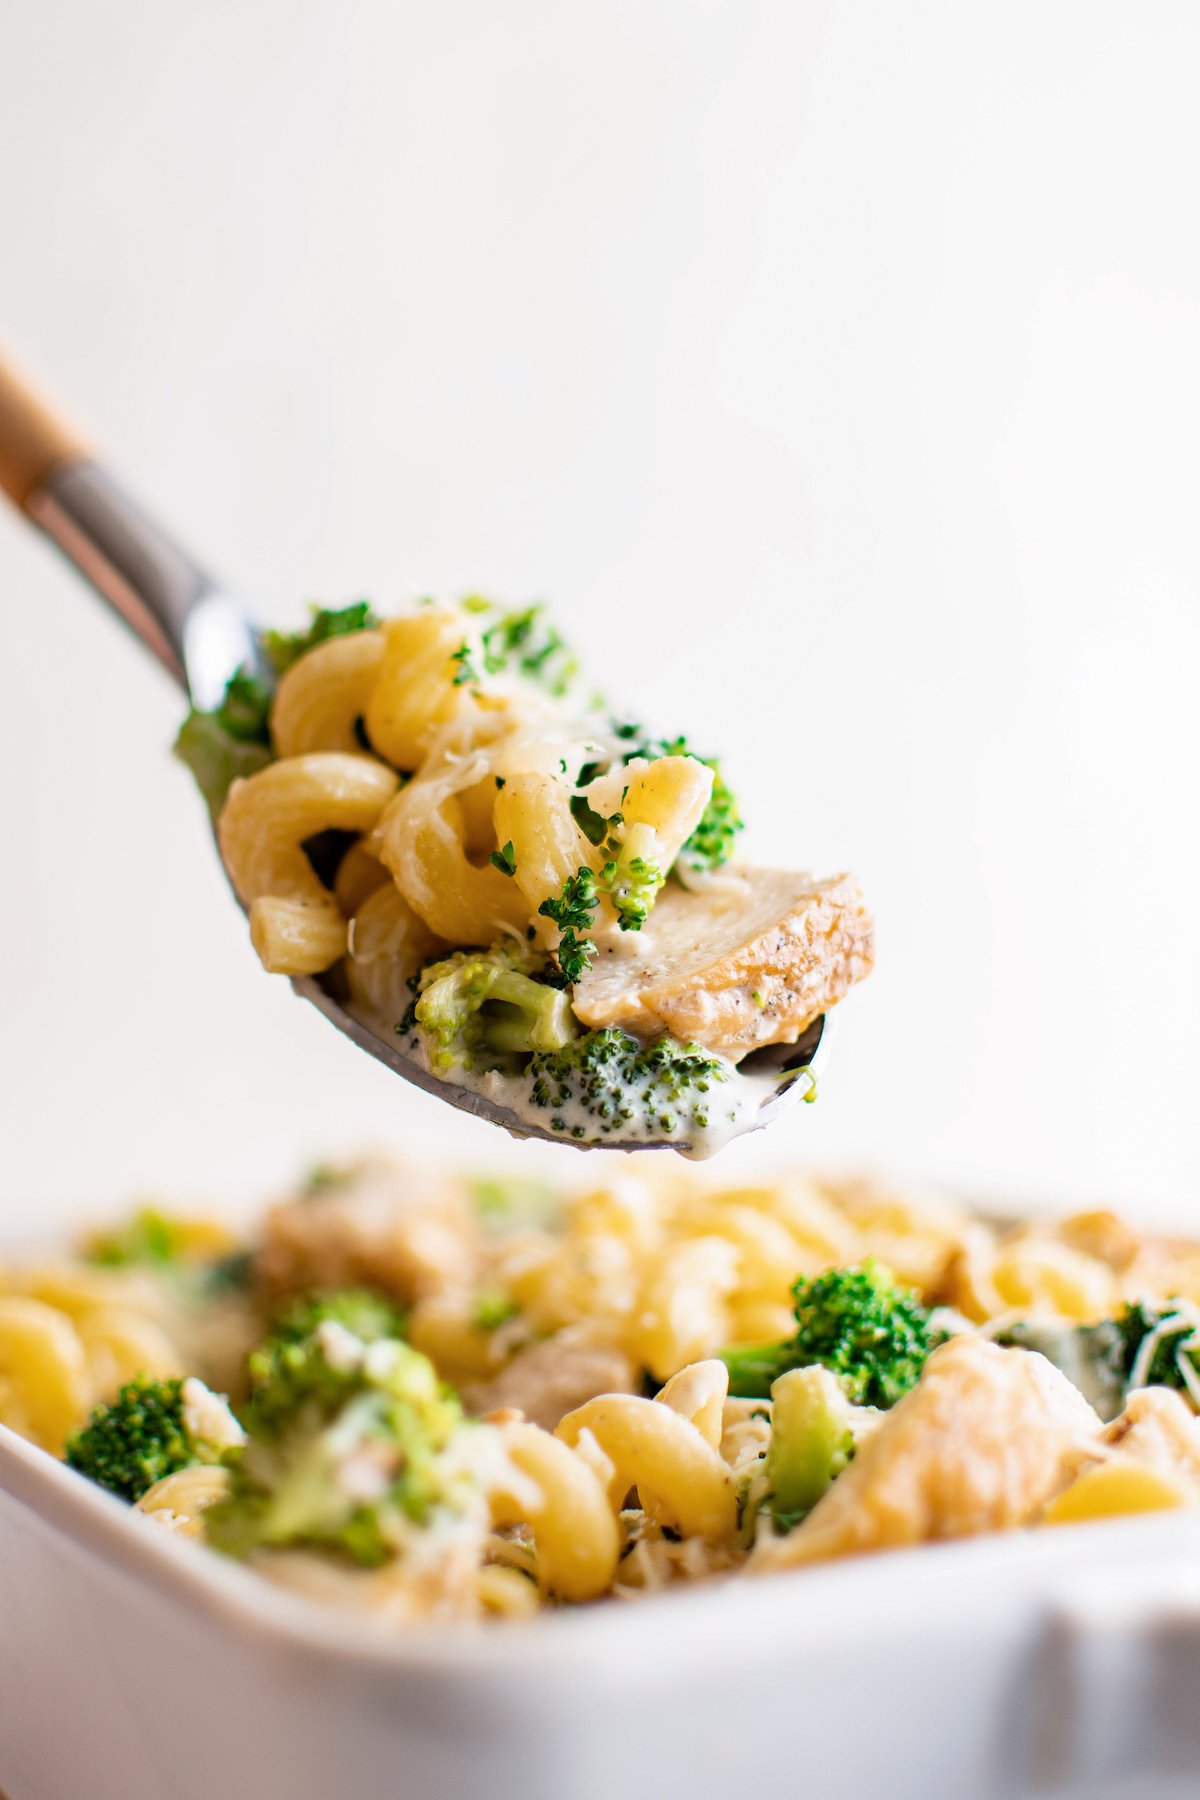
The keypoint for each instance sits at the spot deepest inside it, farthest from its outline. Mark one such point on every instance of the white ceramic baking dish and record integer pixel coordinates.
(135, 1666)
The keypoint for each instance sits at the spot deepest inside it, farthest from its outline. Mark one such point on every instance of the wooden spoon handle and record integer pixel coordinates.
(34, 441)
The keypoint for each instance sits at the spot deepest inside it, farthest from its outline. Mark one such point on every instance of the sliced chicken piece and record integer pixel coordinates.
(733, 968)
(1158, 1427)
(984, 1440)
(407, 1231)
(552, 1378)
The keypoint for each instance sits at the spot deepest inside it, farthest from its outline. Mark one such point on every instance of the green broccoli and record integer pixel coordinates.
(859, 1322)
(152, 1429)
(466, 674)
(194, 1255)
(1162, 1346)
(507, 1203)
(1144, 1346)
(524, 641)
(347, 1448)
(327, 1178)
(631, 878)
(628, 1088)
(286, 1352)
(574, 912)
(283, 1362)
(150, 1239)
(478, 1007)
(492, 1309)
(234, 740)
(233, 1273)
(283, 648)
(812, 1441)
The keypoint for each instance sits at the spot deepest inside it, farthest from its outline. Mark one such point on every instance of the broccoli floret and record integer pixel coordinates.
(507, 1203)
(288, 1366)
(574, 913)
(157, 1240)
(234, 740)
(149, 1239)
(231, 1274)
(196, 1256)
(346, 1448)
(1162, 1346)
(465, 673)
(283, 648)
(286, 1352)
(812, 1441)
(521, 642)
(477, 1007)
(491, 1310)
(152, 1429)
(631, 877)
(525, 641)
(859, 1322)
(711, 844)
(627, 1087)
(327, 1178)
(1144, 1346)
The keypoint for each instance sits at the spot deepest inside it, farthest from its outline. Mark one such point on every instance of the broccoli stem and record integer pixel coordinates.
(752, 1369)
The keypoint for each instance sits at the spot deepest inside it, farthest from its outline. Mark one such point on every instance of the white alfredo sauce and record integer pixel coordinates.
(730, 1107)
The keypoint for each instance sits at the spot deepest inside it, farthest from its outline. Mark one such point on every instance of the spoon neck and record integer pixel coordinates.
(196, 630)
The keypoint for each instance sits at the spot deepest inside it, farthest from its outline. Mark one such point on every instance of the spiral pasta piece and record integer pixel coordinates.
(359, 874)
(321, 699)
(416, 690)
(296, 925)
(387, 944)
(78, 1289)
(506, 1593)
(45, 1390)
(441, 1327)
(423, 843)
(1029, 1273)
(564, 1503)
(121, 1346)
(682, 1312)
(179, 1502)
(698, 1394)
(680, 1477)
(669, 796)
(533, 813)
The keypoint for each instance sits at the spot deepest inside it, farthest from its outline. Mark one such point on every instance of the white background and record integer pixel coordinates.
(834, 369)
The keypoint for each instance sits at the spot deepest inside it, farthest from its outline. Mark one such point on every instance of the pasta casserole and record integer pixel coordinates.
(537, 899)
(418, 1396)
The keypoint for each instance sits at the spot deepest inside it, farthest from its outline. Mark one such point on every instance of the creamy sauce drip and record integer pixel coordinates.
(732, 1104)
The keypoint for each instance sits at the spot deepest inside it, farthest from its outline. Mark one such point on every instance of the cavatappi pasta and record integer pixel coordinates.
(531, 897)
(609, 1442)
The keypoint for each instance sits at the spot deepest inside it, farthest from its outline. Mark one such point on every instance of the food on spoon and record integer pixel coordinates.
(423, 812)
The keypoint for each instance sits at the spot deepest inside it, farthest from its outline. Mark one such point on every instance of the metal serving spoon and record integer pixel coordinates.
(202, 633)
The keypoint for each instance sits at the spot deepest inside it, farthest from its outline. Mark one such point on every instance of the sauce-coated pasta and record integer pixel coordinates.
(477, 1400)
